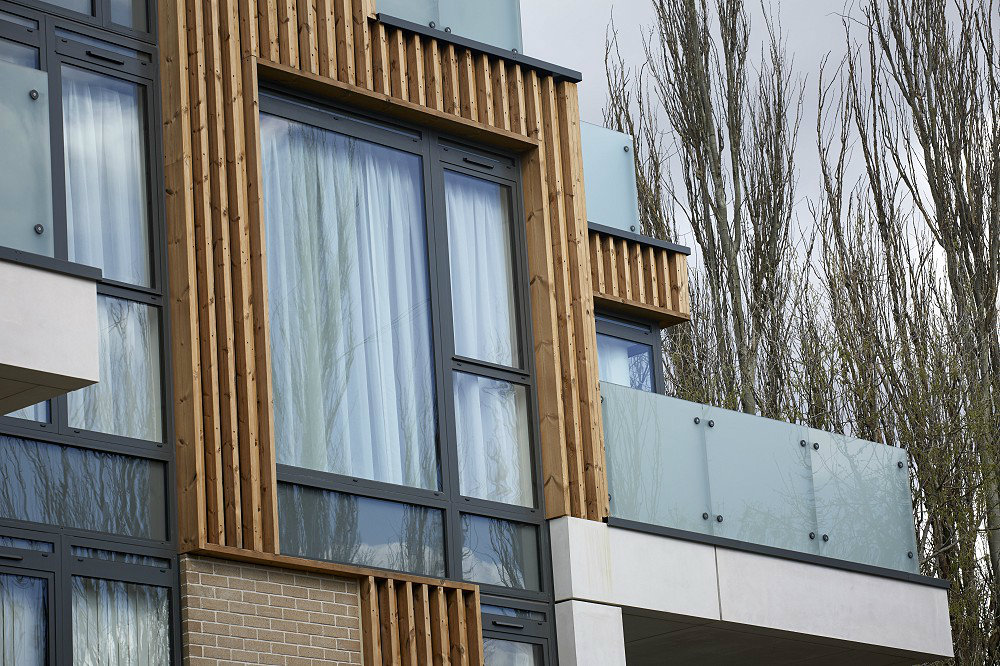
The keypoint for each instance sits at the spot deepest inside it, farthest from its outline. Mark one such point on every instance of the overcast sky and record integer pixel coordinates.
(571, 33)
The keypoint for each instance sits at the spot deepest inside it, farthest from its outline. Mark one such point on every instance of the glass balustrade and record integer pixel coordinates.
(691, 467)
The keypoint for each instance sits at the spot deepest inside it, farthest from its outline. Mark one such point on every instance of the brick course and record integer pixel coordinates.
(236, 613)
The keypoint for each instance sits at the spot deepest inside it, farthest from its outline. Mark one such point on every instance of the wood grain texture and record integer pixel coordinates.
(215, 55)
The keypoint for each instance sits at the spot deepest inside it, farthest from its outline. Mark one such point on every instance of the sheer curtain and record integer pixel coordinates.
(128, 399)
(23, 620)
(107, 211)
(349, 305)
(120, 624)
(482, 279)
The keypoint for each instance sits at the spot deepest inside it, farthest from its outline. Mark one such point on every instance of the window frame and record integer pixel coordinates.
(640, 332)
(438, 152)
(61, 565)
(99, 18)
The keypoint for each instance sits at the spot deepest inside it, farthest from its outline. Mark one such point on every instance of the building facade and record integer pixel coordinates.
(318, 347)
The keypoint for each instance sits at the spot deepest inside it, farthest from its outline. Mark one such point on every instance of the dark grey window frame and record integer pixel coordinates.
(61, 565)
(540, 632)
(439, 152)
(642, 332)
(100, 18)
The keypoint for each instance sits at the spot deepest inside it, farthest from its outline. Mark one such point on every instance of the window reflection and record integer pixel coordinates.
(625, 362)
(498, 652)
(70, 487)
(346, 528)
(500, 552)
(39, 412)
(23, 620)
(120, 623)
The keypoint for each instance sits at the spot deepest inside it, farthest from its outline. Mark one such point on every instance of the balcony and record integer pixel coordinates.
(738, 539)
(744, 480)
(497, 22)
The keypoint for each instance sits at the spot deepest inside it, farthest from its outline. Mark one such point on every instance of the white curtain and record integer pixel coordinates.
(497, 652)
(482, 280)
(492, 428)
(349, 305)
(107, 211)
(127, 401)
(624, 363)
(23, 621)
(120, 624)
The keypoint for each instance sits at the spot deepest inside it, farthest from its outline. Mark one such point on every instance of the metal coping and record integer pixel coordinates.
(783, 553)
(639, 238)
(49, 263)
(559, 73)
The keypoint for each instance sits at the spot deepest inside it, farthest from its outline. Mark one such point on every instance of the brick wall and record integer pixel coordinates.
(235, 613)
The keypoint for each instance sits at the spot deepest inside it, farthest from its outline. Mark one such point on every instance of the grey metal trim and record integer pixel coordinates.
(49, 264)
(559, 73)
(639, 238)
(771, 551)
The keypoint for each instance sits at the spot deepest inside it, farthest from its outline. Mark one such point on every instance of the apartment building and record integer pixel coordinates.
(327, 337)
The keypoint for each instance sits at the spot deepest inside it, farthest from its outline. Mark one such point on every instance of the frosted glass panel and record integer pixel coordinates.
(657, 468)
(863, 501)
(493, 22)
(609, 178)
(756, 480)
(25, 157)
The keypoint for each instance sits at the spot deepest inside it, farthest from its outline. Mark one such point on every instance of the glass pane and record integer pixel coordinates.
(657, 467)
(18, 20)
(18, 54)
(25, 544)
(107, 203)
(760, 481)
(498, 652)
(128, 400)
(625, 362)
(494, 454)
(120, 623)
(115, 556)
(352, 355)
(23, 620)
(500, 552)
(25, 155)
(482, 274)
(82, 6)
(70, 487)
(327, 525)
(129, 13)
(38, 412)
(863, 501)
(489, 609)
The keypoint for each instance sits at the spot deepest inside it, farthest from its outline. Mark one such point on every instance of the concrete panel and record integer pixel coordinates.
(813, 600)
(48, 334)
(589, 634)
(593, 562)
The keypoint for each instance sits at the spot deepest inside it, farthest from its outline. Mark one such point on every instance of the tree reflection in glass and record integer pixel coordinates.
(91, 490)
(500, 552)
(339, 527)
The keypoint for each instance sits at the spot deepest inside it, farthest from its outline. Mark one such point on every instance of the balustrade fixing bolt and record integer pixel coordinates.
(33, 94)
(812, 535)
(802, 443)
(432, 24)
(711, 424)
(39, 229)
(697, 420)
(826, 537)
(900, 464)
(718, 519)
(909, 554)
(704, 516)
(816, 445)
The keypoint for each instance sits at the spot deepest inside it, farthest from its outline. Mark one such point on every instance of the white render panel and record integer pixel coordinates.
(48, 335)
(815, 600)
(593, 562)
(589, 634)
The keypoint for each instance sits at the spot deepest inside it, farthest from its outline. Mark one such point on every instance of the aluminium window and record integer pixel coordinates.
(405, 422)
(629, 353)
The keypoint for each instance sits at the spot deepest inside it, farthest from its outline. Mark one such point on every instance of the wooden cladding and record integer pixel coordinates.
(641, 280)
(414, 624)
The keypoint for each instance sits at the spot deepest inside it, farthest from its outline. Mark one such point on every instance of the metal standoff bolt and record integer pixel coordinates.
(704, 516)
(900, 464)
(816, 445)
(33, 94)
(447, 29)
(514, 51)
(718, 518)
(697, 420)
(802, 443)
(711, 424)
(39, 229)
(812, 535)
(826, 537)
(909, 554)
(632, 227)
(433, 24)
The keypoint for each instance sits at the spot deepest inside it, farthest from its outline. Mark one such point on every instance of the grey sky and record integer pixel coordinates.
(572, 32)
